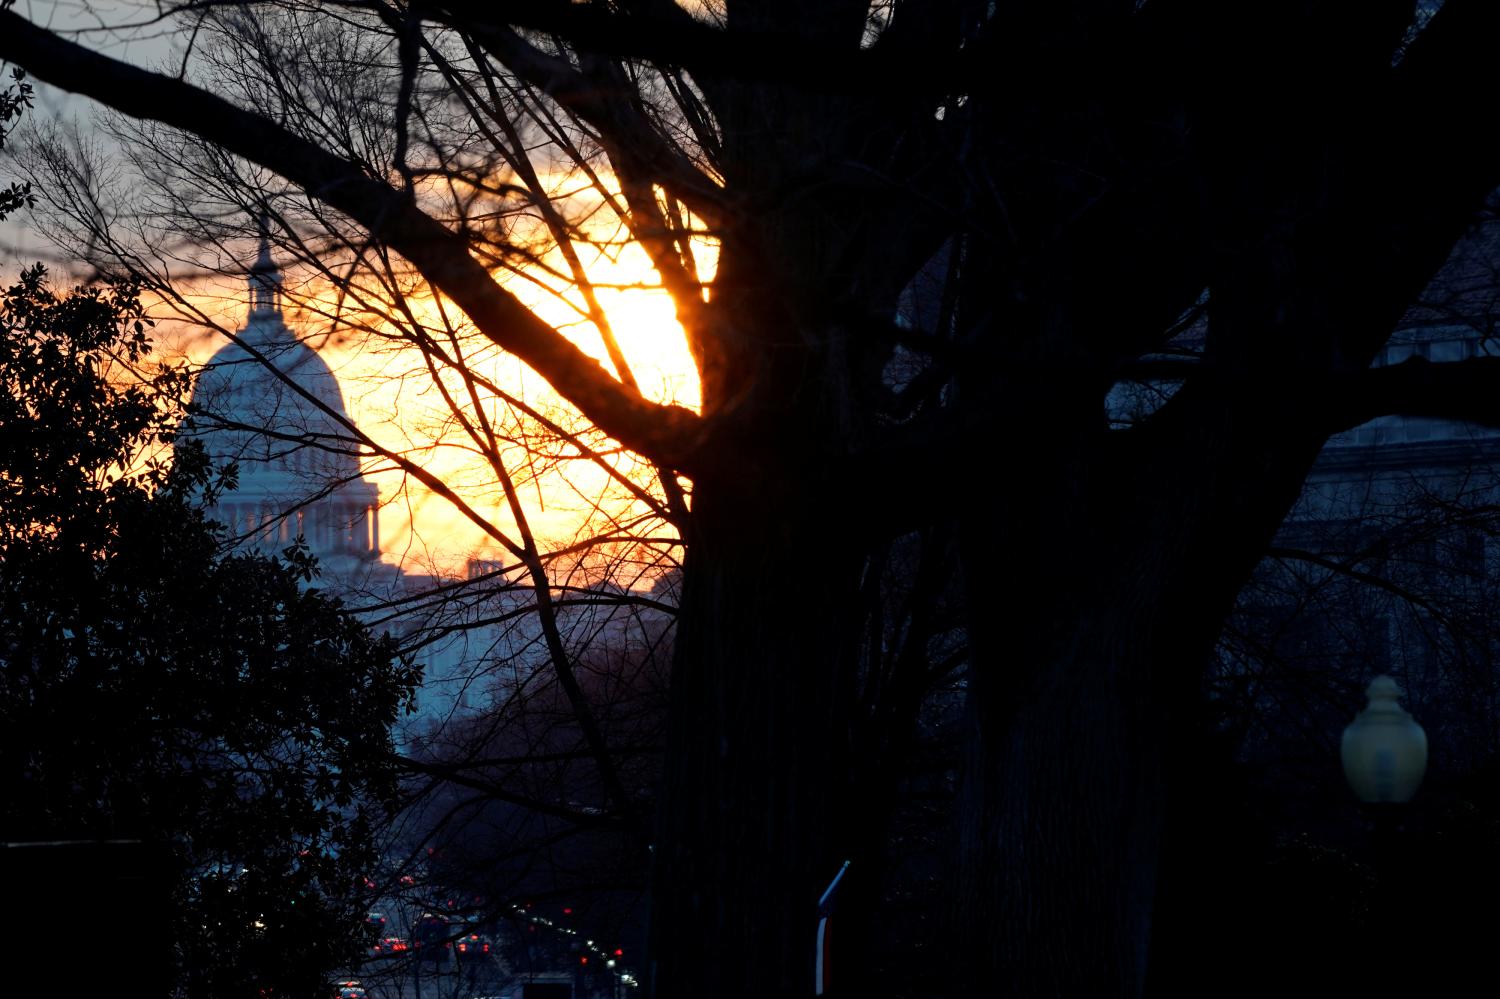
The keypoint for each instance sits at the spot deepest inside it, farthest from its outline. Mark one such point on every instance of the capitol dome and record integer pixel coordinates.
(268, 402)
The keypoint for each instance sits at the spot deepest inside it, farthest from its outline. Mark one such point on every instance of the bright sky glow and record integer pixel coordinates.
(388, 392)
(391, 396)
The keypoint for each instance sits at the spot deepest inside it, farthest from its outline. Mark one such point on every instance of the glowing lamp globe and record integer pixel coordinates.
(1384, 749)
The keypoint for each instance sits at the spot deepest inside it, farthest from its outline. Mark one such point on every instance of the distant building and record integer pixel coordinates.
(1387, 564)
(269, 403)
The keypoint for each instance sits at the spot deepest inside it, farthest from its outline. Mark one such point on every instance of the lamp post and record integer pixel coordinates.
(1385, 757)
(1384, 749)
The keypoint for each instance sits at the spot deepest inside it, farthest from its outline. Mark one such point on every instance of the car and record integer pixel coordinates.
(388, 945)
(474, 922)
(471, 946)
(432, 937)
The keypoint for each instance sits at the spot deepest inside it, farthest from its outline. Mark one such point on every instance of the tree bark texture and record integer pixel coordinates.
(1101, 618)
(756, 784)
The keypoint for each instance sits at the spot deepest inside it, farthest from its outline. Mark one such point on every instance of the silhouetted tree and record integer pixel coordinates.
(153, 688)
(1064, 185)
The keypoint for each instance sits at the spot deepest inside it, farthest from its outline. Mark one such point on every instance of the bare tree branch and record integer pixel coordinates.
(669, 434)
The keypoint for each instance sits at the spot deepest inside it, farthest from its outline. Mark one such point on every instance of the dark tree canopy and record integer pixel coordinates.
(155, 688)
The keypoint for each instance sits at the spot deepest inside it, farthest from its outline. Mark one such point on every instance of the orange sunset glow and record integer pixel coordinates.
(392, 397)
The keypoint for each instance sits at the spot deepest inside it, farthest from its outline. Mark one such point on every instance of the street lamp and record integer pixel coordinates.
(1384, 749)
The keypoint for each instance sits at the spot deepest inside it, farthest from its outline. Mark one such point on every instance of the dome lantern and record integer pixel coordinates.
(265, 277)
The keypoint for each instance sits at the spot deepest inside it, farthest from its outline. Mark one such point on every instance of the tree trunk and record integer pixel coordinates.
(757, 785)
(1061, 811)
(1091, 629)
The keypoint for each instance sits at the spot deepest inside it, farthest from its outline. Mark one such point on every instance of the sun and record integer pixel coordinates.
(641, 314)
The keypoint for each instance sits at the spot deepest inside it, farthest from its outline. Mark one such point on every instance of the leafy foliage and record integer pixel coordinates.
(14, 100)
(157, 687)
